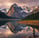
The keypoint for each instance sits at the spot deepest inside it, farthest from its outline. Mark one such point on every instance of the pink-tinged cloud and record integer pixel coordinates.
(28, 2)
(8, 3)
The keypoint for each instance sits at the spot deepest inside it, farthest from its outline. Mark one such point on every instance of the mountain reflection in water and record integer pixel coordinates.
(6, 33)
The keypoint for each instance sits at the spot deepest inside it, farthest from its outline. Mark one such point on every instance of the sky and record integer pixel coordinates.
(8, 3)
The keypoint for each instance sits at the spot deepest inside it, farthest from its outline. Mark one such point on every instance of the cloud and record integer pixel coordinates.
(8, 3)
(24, 1)
(5, 4)
(29, 2)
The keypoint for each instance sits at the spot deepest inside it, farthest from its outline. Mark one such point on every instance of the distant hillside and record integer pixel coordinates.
(32, 16)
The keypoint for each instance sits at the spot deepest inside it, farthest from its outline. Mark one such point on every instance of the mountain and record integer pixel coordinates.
(16, 11)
